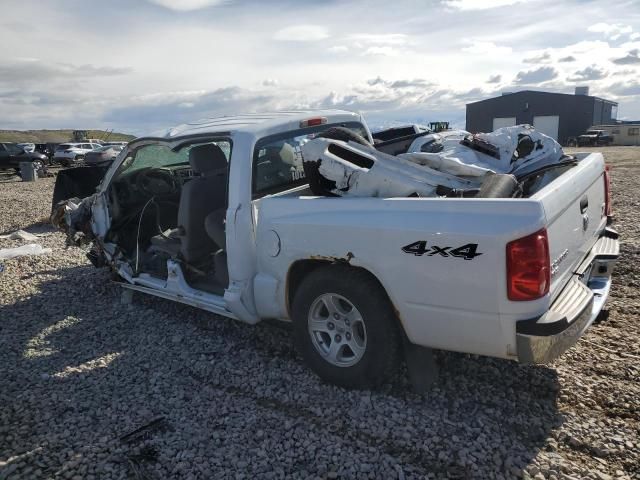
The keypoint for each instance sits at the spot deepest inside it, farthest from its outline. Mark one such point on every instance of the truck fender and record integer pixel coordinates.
(301, 268)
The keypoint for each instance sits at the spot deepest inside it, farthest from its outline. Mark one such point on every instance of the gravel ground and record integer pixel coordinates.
(81, 371)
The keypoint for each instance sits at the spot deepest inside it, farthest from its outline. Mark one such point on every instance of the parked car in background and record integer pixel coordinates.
(121, 144)
(103, 155)
(69, 153)
(27, 147)
(46, 149)
(11, 155)
(595, 138)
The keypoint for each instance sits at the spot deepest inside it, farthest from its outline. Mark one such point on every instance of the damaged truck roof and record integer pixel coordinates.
(256, 123)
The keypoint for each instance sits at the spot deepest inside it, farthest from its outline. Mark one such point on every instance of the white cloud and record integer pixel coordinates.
(544, 57)
(385, 51)
(481, 47)
(380, 39)
(612, 31)
(431, 61)
(338, 49)
(479, 4)
(302, 33)
(186, 5)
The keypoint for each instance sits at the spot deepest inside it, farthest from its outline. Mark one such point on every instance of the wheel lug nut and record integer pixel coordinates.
(338, 338)
(336, 316)
(346, 322)
(348, 336)
(331, 326)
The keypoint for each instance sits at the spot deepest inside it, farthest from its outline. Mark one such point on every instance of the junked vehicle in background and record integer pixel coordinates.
(69, 153)
(27, 147)
(510, 257)
(11, 155)
(102, 155)
(595, 138)
(46, 149)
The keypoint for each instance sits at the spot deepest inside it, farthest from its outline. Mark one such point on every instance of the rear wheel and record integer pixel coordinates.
(345, 327)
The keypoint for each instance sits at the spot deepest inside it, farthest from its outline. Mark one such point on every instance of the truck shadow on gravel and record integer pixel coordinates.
(83, 369)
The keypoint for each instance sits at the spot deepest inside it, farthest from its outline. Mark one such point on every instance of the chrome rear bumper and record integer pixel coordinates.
(541, 340)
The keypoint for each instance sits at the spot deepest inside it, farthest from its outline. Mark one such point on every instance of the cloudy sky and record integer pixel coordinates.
(140, 65)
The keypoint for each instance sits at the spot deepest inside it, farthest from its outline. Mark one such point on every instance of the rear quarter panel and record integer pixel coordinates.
(442, 301)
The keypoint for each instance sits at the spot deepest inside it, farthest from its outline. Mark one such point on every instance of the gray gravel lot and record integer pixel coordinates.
(80, 371)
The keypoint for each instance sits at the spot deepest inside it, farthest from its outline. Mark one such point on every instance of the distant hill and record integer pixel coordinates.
(56, 136)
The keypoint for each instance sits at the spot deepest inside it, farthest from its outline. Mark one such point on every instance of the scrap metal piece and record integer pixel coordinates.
(74, 218)
(348, 169)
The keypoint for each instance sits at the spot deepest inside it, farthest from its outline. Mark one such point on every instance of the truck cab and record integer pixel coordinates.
(218, 214)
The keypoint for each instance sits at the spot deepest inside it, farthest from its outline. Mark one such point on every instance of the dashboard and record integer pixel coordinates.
(135, 187)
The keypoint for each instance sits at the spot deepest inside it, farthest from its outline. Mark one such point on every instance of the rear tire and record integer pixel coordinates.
(345, 327)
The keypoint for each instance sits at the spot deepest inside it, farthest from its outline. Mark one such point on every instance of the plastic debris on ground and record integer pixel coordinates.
(19, 235)
(24, 250)
(351, 169)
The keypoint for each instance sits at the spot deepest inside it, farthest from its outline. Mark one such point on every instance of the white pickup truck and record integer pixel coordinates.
(218, 215)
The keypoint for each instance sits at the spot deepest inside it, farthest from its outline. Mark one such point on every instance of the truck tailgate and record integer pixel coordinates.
(574, 206)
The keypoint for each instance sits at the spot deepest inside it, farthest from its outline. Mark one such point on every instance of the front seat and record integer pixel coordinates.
(200, 196)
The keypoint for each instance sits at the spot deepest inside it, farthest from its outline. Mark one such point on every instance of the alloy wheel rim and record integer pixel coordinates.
(337, 330)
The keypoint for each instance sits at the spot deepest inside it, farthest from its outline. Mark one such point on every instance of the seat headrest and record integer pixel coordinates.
(207, 158)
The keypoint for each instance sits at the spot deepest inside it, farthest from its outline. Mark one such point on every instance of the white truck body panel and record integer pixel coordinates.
(441, 301)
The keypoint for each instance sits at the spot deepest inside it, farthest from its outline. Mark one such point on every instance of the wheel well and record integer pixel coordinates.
(297, 272)
(300, 269)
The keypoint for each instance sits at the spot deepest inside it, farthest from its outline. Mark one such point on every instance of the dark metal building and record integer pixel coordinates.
(558, 115)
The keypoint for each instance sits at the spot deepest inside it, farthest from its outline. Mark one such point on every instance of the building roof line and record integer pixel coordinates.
(542, 92)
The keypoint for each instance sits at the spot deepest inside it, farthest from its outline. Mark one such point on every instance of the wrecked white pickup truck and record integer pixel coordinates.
(241, 216)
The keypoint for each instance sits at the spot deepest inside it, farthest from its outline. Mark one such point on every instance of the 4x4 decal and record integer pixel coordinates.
(419, 248)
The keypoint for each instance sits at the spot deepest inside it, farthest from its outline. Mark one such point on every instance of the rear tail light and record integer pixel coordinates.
(607, 191)
(528, 267)
(313, 122)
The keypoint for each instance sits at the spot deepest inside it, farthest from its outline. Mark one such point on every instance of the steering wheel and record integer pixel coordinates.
(157, 182)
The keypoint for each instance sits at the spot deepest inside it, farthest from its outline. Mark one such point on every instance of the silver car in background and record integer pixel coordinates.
(103, 155)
